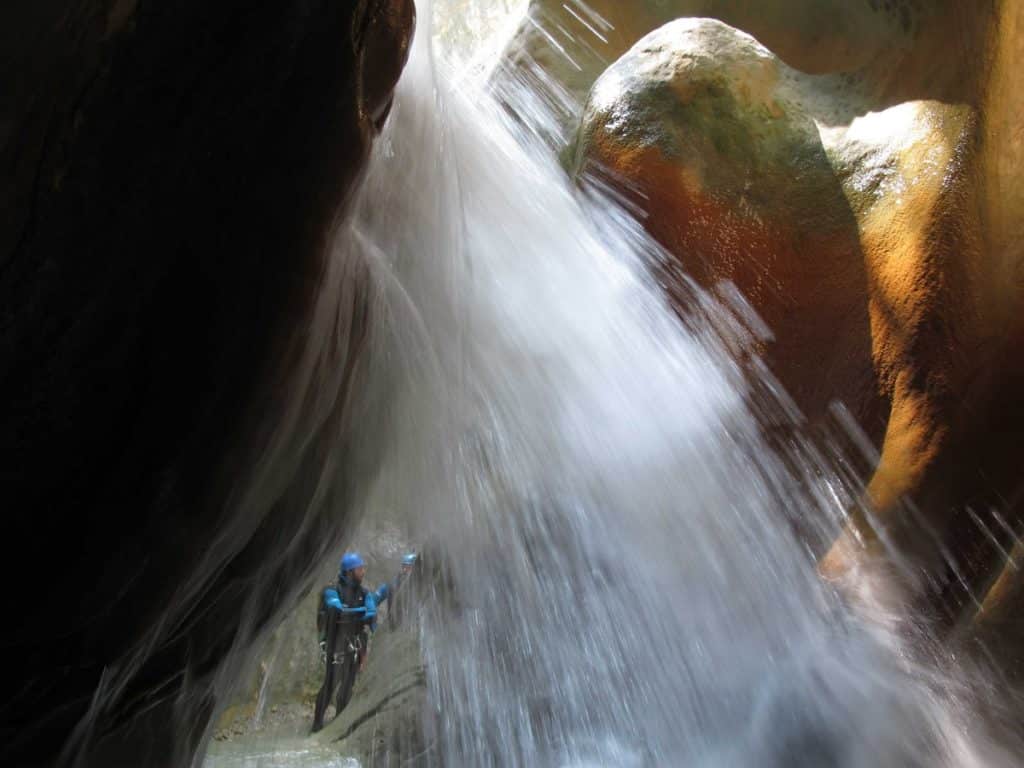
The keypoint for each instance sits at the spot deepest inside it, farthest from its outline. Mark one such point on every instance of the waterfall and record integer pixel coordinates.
(619, 508)
(628, 554)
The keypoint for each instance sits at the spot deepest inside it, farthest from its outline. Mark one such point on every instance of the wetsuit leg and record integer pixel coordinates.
(331, 670)
(347, 678)
(323, 697)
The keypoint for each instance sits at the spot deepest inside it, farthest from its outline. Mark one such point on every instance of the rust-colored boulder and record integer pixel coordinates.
(856, 231)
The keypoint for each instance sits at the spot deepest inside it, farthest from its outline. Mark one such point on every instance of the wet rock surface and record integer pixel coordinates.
(717, 141)
(856, 228)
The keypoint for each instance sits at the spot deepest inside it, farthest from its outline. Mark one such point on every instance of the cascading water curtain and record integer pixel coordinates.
(625, 584)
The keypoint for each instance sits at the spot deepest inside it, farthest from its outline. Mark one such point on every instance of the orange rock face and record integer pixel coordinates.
(736, 183)
(877, 244)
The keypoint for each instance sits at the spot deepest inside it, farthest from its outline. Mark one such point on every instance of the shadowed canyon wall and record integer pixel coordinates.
(177, 354)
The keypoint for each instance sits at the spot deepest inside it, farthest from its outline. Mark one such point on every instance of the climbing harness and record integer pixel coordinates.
(354, 645)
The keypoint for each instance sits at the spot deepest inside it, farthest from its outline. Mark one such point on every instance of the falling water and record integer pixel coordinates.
(627, 552)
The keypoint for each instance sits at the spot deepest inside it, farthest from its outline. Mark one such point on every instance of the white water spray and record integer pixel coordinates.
(625, 584)
(623, 546)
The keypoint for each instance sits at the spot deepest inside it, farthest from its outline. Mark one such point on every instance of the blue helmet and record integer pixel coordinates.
(351, 560)
(409, 559)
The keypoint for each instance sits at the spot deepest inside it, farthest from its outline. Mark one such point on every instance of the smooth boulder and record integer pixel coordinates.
(712, 135)
(856, 231)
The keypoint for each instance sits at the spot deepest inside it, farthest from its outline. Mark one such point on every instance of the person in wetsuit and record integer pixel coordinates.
(346, 616)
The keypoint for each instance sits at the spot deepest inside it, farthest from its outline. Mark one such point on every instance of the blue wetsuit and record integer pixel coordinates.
(356, 604)
(347, 611)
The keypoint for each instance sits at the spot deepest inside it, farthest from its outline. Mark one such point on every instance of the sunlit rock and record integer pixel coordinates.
(716, 139)
(855, 231)
(898, 48)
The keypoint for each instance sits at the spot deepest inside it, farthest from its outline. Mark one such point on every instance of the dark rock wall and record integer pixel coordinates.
(172, 174)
